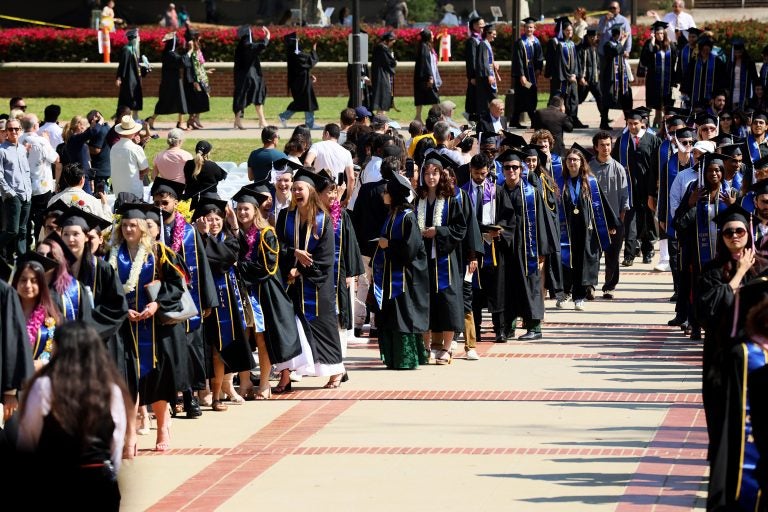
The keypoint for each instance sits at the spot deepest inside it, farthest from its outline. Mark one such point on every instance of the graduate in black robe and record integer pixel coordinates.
(706, 75)
(527, 63)
(589, 78)
(348, 265)
(300, 79)
(426, 77)
(659, 56)
(364, 85)
(470, 63)
(614, 77)
(306, 240)
(486, 71)
(383, 65)
(174, 81)
(525, 243)
(250, 86)
(563, 69)
(15, 354)
(400, 278)
(130, 73)
(71, 297)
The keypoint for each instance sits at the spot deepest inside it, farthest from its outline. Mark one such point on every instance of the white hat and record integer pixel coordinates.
(705, 146)
(448, 7)
(127, 126)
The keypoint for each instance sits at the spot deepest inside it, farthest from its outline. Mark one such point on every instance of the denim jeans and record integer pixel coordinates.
(309, 117)
(13, 238)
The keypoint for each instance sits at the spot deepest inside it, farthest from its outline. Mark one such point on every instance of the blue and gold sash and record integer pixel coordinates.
(70, 301)
(44, 341)
(709, 79)
(705, 244)
(747, 484)
(620, 78)
(754, 149)
(664, 73)
(386, 276)
(143, 333)
(599, 220)
(529, 50)
(309, 291)
(230, 314)
(530, 230)
(625, 143)
(189, 253)
(557, 169)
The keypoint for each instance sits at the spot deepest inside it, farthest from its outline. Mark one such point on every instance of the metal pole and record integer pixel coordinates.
(356, 68)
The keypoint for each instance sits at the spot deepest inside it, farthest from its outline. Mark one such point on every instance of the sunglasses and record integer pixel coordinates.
(613, 8)
(512, 167)
(731, 232)
(685, 142)
(14, 129)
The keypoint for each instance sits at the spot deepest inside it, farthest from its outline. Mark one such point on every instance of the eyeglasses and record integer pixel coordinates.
(731, 232)
(685, 142)
(512, 167)
(20, 107)
(573, 159)
(13, 129)
(706, 128)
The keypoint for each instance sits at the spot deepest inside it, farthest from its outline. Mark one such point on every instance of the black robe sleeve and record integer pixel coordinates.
(472, 245)
(221, 255)
(110, 308)
(264, 262)
(15, 353)
(449, 237)
(209, 297)
(353, 260)
(714, 297)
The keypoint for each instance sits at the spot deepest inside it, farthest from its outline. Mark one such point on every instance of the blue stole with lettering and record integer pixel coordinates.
(625, 143)
(309, 304)
(384, 273)
(490, 61)
(230, 311)
(530, 230)
(754, 149)
(599, 220)
(706, 246)
(565, 229)
(189, 253)
(709, 80)
(143, 333)
(529, 50)
(664, 73)
(45, 335)
(747, 486)
(70, 300)
(499, 172)
(557, 169)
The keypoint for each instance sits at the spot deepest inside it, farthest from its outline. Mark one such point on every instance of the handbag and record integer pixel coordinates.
(188, 307)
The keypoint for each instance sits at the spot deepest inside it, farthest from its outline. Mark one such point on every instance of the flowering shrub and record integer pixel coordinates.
(77, 45)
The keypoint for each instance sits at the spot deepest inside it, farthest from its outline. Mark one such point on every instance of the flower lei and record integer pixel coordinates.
(437, 214)
(178, 232)
(34, 323)
(250, 239)
(336, 213)
(136, 264)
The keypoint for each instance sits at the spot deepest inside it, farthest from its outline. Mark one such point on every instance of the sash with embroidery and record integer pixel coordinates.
(389, 280)
(309, 304)
(664, 73)
(705, 244)
(71, 301)
(748, 493)
(230, 312)
(696, 94)
(625, 143)
(44, 341)
(189, 253)
(499, 172)
(143, 333)
(530, 230)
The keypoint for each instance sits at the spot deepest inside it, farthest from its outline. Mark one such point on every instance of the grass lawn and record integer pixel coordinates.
(224, 150)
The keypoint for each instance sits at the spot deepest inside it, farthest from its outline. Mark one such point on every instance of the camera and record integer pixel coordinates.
(410, 167)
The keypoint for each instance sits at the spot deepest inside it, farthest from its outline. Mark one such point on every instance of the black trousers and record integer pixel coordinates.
(37, 211)
(598, 95)
(612, 260)
(639, 231)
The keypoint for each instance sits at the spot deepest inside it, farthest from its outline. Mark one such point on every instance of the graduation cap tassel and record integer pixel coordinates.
(173, 48)
(250, 36)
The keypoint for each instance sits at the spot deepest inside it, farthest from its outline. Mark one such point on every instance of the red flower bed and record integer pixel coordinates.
(79, 45)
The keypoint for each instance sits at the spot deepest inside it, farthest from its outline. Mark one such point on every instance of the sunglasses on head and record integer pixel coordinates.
(730, 232)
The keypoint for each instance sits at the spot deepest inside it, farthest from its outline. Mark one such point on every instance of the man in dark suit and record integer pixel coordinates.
(493, 120)
(554, 119)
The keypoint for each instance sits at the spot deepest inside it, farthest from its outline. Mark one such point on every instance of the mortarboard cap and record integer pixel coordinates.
(732, 213)
(37, 260)
(713, 158)
(509, 155)
(285, 164)
(512, 140)
(327, 180)
(760, 163)
(677, 111)
(68, 254)
(722, 139)
(209, 191)
(248, 195)
(706, 118)
(207, 204)
(591, 31)
(585, 153)
(675, 120)
(705, 41)
(165, 186)
(636, 114)
(243, 30)
(435, 158)
(74, 216)
(57, 208)
(684, 133)
(695, 31)
(659, 25)
(528, 20)
(486, 137)
(309, 177)
(760, 188)
(138, 210)
(132, 34)
(399, 186)
(738, 43)
(388, 36)
(733, 149)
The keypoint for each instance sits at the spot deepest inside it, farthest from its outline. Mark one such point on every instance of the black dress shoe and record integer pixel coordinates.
(500, 339)
(345, 377)
(373, 333)
(605, 126)
(530, 335)
(358, 332)
(685, 326)
(590, 293)
(608, 294)
(578, 124)
(647, 258)
(509, 334)
(627, 262)
(192, 408)
(678, 320)
(519, 126)
(696, 334)
(673, 298)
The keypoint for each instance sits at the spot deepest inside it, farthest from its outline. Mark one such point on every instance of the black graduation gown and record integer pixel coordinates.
(446, 307)
(654, 97)
(485, 93)
(129, 73)
(250, 87)
(383, 77)
(748, 81)
(365, 89)
(490, 283)
(757, 384)
(15, 353)
(424, 94)
(589, 65)
(222, 255)
(471, 245)
(349, 264)
(640, 170)
(526, 99)
(616, 94)
(300, 81)
(172, 97)
(553, 271)
(259, 272)
(409, 311)
(719, 80)
(522, 292)
(470, 62)
(585, 244)
(322, 332)
(560, 67)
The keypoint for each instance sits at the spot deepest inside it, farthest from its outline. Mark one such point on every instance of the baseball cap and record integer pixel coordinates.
(362, 112)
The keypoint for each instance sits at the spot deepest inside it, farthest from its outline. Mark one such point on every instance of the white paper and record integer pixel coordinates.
(468, 276)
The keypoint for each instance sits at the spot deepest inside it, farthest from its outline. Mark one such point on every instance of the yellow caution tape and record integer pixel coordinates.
(34, 22)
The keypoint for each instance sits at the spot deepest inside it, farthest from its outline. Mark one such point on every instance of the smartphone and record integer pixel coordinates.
(410, 167)
(464, 127)
(341, 178)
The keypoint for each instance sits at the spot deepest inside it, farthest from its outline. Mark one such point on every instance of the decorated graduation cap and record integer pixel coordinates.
(57, 208)
(74, 216)
(509, 156)
(528, 20)
(659, 25)
(248, 195)
(581, 149)
(310, 178)
(68, 254)
(166, 186)
(207, 204)
(138, 210)
(37, 260)
(684, 133)
(399, 186)
(435, 158)
(733, 213)
(760, 188)
(761, 163)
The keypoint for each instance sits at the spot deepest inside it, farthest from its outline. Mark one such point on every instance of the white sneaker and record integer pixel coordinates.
(579, 305)
(283, 122)
(472, 355)
(295, 376)
(560, 304)
(663, 266)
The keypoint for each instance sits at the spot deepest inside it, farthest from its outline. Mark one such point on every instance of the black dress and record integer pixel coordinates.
(130, 74)
(210, 176)
(250, 87)
(300, 81)
(383, 77)
(174, 85)
(423, 92)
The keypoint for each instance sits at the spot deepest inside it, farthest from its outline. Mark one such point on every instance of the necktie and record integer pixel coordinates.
(637, 141)
(479, 203)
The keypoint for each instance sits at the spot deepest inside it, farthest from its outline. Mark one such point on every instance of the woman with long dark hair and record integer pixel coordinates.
(742, 75)
(75, 420)
(659, 56)
(586, 224)
(426, 77)
(68, 293)
(442, 226)
(250, 87)
(200, 100)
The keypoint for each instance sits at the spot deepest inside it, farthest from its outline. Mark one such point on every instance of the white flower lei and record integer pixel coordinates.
(136, 264)
(437, 214)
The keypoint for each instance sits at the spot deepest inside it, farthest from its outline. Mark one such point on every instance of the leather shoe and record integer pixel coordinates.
(627, 262)
(193, 408)
(590, 293)
(578, 124)
(647, 258)
(519, 126)
(608, 294)
(605, 126)
(530, 335)
(677, 321)
(673, 298)
(509, 334)
(358, 332)
(500, 339)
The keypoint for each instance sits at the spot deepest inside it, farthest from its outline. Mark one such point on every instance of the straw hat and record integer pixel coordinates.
(127, 126)
(448, 7)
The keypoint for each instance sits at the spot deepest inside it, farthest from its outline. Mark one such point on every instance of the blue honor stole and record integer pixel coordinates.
(189, 253)
(309, 305)
(663, 72)
(708, 80)
(530, 230)
(489, 252)
(669, 166)
(706, 246)
(625, 142)
(43, 341)
(500, 171)
(557, 167)
(685, 57)
(490, 63)
(745, 88)
(338, 237)
(385, 275)
(70, 301)
(599, 221)
(143, 333)
(747, 486)
(568, 59)
(748, 202)
(737, 181)
(529, 52)
(754, 149)
(620, 78)
(230, 311)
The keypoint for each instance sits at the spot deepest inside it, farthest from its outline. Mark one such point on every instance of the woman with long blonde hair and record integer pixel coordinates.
(201, 173)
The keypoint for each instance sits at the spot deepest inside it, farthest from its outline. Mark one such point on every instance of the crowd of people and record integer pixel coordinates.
(414, 236)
